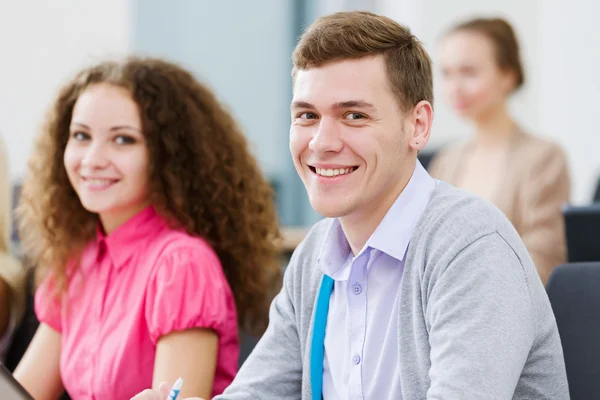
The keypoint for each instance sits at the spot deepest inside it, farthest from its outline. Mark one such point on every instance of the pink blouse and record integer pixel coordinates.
(141, 282)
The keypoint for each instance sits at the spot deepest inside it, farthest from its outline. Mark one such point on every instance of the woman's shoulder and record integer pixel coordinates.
(452, 150)
(538, 148)
(176, 246)
(538, 140)
(445, 157)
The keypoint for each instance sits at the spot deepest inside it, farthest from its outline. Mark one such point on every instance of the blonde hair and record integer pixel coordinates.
(11, 270)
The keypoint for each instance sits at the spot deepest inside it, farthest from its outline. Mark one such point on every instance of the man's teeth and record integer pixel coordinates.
(333, 172)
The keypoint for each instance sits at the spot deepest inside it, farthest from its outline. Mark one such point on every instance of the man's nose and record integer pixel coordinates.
(327, 137)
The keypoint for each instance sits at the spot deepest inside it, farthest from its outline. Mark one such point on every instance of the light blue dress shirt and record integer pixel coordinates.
(361, 340)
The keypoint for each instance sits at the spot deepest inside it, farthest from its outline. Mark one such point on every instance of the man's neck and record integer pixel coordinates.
(360, 226)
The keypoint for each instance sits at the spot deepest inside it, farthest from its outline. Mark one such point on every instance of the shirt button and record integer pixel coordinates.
(357, 289)
(356, 359)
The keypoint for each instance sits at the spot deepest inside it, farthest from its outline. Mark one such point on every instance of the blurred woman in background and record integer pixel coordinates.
(524, 175)
(12, 274)
(155, 233)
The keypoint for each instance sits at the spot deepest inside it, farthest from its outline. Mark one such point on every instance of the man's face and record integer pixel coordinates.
(348, 138)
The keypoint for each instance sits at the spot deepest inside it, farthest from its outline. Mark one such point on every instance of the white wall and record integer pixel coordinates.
(569, 97)
(241, 49)
(560, 43)
(42, 43)
(244, 55)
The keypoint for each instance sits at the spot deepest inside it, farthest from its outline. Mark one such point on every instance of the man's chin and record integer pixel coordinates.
(329, 209)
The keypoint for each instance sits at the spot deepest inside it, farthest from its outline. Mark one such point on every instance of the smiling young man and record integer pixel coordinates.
(411, 288)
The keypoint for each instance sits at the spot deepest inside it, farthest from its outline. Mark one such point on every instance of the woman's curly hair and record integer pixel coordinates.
(202, 176)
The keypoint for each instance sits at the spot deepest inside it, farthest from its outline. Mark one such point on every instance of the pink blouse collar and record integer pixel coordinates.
(127, 238)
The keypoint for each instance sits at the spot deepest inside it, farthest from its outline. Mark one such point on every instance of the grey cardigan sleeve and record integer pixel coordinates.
(479, 317)
(274, 369)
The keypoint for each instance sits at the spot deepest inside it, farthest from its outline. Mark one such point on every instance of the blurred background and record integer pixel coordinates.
(242, 49)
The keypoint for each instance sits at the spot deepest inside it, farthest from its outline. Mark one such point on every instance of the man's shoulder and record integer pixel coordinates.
(469, 233)
(451, 214)
(449, 204)
(455, 219)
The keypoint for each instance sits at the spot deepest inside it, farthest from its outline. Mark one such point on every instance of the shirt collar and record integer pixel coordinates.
(334, 251)
(392, 235)
(121, 244)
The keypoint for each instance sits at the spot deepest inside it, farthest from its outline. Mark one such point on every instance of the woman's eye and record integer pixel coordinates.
(122, 139)
(80, 136)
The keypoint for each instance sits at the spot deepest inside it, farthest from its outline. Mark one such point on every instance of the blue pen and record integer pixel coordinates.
(175, 389)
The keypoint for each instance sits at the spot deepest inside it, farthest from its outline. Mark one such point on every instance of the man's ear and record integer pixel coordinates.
(421, 120)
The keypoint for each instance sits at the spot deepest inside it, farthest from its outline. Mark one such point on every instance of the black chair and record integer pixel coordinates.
(574, 292)
(426, 156)
(247, 343)
(25, 331)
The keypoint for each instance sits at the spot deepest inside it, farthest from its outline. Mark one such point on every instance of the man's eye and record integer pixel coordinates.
(354, 116)
(307, 115)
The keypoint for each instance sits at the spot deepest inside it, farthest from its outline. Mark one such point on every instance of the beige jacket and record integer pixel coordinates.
(534, 188)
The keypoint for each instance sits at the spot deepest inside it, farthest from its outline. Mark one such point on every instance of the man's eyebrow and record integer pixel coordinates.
(335, 106)
(303, 104)
(352, 104)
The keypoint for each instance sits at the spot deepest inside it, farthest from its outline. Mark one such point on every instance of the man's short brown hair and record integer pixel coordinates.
(358, 34)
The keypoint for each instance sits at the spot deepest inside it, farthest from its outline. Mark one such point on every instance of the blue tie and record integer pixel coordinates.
(317, 348)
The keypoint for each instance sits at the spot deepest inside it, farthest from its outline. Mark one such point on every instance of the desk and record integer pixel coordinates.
(292, 237)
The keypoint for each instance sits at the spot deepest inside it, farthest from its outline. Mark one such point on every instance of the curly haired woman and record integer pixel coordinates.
(155, 233)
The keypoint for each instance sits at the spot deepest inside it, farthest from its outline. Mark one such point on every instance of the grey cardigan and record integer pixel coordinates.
(474, 318)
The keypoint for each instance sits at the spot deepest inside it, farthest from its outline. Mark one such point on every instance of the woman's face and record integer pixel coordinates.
(106, 157)
(473, 84)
